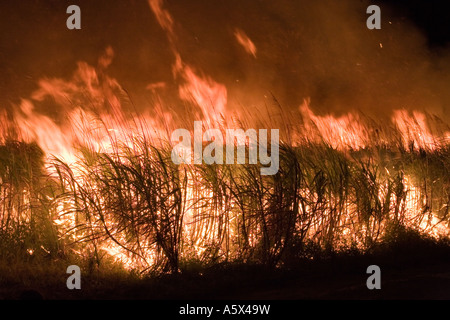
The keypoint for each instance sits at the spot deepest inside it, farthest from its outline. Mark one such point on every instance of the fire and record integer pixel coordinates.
(343, 132)
(162, 15)
(210, 96)
(415, 130)
(122, 194)
(245, 42)
(354, 132)
(43, 130)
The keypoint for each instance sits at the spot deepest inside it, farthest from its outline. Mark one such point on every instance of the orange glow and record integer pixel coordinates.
(245, 42)
(102, 128)
(95, 122)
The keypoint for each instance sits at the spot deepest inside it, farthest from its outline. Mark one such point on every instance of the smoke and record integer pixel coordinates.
(319, 50)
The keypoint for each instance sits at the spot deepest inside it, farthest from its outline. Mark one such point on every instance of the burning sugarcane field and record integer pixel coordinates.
(164, 149)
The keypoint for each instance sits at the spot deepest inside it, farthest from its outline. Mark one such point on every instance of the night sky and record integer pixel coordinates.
(316, 49)
(430, 17)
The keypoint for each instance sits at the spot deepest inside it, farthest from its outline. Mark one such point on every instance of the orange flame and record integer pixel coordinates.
(245, 42)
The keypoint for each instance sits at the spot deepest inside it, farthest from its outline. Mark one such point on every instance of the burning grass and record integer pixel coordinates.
(95, 183)
(129, 204)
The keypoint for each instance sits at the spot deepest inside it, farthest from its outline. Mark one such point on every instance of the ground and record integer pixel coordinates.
(404, 275)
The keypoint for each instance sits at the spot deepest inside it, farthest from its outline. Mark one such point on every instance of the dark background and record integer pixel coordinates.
(430, 16)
